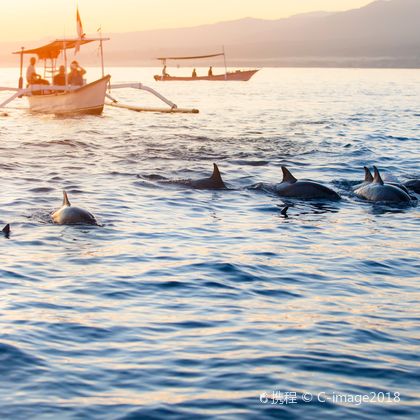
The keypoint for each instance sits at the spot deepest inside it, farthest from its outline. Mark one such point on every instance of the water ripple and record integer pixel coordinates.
(190, 303)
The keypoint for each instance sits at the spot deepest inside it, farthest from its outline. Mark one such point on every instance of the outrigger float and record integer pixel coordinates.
(238, 75)
(69, 100)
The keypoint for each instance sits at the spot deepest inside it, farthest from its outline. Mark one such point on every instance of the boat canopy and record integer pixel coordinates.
(53, 49)
(190, 58)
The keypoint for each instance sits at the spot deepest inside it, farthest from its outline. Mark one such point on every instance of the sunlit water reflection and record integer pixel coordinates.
(190, 303)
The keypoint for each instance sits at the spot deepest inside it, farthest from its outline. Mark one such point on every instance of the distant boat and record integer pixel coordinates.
(238, 75)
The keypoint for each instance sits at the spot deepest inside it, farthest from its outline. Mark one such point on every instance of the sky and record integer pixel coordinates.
(37, 19)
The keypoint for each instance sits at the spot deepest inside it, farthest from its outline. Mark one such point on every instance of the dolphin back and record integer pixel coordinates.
(383, 193)
(214, 182)
(70, 215)
(73, 216)
(306, 189)
(414, 185)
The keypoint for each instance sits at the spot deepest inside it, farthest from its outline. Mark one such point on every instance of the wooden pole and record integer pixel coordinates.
(21, 69)
(150, 109)
(102, 54)
(65, 63)
(224, 59)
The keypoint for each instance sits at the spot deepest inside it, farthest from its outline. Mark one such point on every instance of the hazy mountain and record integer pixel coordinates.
(383, 33)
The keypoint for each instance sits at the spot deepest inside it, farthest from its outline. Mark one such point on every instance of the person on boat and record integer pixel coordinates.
(210, 73)
(76, 74)
(194, 73)
(31, 75)
(164, 72)
(60, 78)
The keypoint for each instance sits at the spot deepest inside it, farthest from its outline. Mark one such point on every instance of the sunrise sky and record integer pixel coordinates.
(35, 19)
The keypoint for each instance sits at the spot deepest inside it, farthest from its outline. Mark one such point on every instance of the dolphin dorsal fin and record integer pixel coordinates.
(368, 175)
(377, 178)
(6, 230)
(66, 201)
(215, 176)
(287, 176)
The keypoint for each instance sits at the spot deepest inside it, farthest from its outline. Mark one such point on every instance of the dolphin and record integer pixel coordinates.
(413, 184)
(6, 231)
(392, 180)
(369, 180)
(70, 215)
(214, 182)
(400, 186)
(284, 212)
(291, 187)
(377, 190)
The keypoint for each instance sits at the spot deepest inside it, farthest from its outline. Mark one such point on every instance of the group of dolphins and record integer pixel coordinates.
(373, 189)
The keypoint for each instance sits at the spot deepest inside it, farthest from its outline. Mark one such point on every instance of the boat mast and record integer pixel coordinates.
(21, 68)
(65, 62)
(102, 52)
(224, 59)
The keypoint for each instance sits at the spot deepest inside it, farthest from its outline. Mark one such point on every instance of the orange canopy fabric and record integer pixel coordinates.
(53, 49)
(190, 58)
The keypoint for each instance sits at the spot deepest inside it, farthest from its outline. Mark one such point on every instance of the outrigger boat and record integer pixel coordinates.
(238, 75)
(66, 99)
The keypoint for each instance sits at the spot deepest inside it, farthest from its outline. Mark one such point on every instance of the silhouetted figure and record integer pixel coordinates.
(75, 77)
(31, 75)
(194, 73)
(210, 73)
(60, 78)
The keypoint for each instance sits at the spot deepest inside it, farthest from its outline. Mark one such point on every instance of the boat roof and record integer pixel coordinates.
(191, 57)
(53, 49)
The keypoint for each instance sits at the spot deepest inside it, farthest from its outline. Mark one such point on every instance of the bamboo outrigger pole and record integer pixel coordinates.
(151, 109)
(172, 107)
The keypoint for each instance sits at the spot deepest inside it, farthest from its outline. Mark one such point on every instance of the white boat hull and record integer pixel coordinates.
(88, 99)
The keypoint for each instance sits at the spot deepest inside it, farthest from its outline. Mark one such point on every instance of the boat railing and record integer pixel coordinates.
(35, 90)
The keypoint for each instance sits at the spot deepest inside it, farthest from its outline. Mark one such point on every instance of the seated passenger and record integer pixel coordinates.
(60, 78)
(75, 77)
(31, 75)
(164, 72)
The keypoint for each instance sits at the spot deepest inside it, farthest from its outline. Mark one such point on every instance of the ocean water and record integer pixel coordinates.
(210, 304)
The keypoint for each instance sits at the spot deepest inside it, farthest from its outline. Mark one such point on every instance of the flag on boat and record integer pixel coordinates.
(79, 25)
(80, 33)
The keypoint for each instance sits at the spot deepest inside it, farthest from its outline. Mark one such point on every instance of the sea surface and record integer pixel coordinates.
(203, 304)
